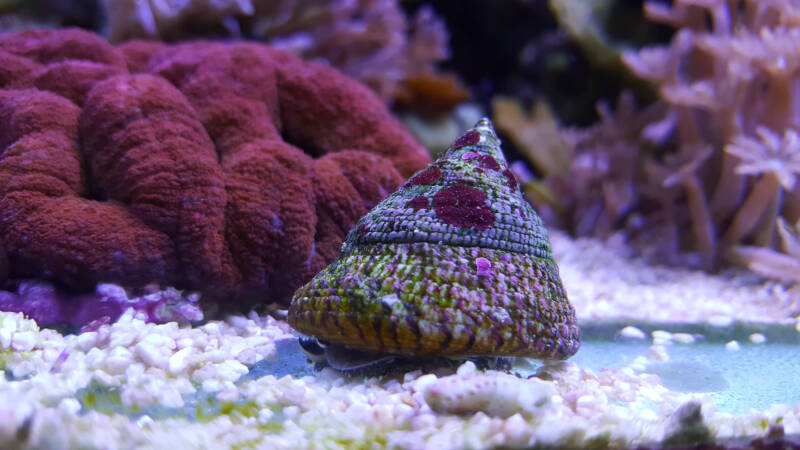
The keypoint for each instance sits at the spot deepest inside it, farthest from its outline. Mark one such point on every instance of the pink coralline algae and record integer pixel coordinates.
(463, 206)
(232, 169)
(512, 180)
(427, 176)
(481, 160)
(464, 274)
(468, 138)
(419, 202)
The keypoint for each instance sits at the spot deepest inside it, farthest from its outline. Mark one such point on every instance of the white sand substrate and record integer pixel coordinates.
(131, 384)
(602, 282)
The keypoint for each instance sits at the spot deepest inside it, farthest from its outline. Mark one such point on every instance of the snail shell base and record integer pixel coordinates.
(424, 299)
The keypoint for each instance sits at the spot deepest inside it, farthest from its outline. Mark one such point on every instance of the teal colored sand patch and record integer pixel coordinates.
(291, 361)
(754, 377)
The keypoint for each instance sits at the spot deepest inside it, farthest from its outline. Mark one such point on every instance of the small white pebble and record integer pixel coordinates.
(211, 328)
(150, 355)
(264, 416)
(9, 322)
(231, 370)
(185, 342)
(212, 385)
(94, 357)
(661, 335)
(144, 421)
(466, 368)
(758, 338)
(117, 365)
(228, 395)
(423, 421)
(732, 346)
(70, 406)
(216, 356)
(248, 357)
(179, 360)
(291, 411)
(104, 378)
(632, 333)
(403, 412)
(23, 368)
(159, 341)
(23, 341)
(87, 340)
(517, 431)
(586, 402)
(683, 338)
(122, 336)
(5, 338)
(422, 382)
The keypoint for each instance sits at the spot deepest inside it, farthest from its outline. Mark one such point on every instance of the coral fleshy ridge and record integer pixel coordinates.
(171, 164)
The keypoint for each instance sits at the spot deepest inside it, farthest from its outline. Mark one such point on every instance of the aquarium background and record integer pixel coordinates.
(172, 172)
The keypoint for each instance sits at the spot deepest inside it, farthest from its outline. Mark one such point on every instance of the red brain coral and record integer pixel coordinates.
(230, 168)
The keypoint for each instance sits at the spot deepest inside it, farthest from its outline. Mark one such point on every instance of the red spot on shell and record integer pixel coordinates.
(468, 138)
(427, 176)
(418, 203)
(488, 162)
(463, 206)
(485, 161)
(512, 180)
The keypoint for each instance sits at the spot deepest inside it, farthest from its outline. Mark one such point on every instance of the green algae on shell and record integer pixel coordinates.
(455, 263)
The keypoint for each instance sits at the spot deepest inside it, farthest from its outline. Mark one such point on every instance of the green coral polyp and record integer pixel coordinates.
(468, 271)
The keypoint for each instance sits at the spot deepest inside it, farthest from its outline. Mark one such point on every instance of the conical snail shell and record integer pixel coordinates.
(455, 263)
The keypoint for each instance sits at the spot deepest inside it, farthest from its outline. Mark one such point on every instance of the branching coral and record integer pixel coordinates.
(737, 87)
(772, 263)
(715, 161)
(370, 40)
